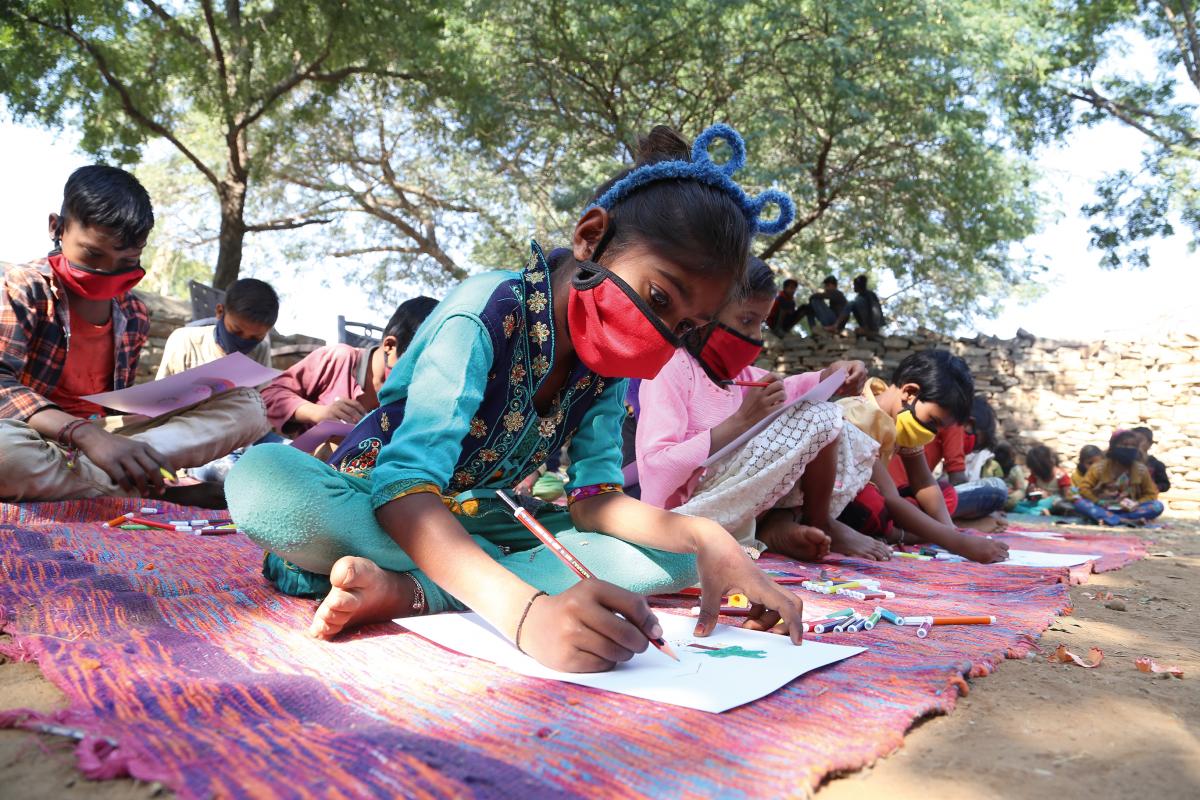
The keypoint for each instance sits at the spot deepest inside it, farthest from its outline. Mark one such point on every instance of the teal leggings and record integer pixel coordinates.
(309, 514)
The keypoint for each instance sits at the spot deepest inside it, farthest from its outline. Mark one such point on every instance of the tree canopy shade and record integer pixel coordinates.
(1133, 206)
(128, 71)
(881, 117)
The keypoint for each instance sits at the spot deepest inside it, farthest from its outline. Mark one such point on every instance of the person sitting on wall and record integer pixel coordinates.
(866, 308)
(826, 307)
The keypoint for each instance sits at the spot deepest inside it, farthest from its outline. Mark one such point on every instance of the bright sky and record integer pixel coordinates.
(1081, 301)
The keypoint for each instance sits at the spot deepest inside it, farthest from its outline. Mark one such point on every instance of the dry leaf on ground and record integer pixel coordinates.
(1062, 654)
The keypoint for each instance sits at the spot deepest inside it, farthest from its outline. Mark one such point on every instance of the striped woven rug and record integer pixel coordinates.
(182, 665)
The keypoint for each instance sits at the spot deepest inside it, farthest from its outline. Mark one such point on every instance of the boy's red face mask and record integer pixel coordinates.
(94, 284)
(724, 353)
(613, 330)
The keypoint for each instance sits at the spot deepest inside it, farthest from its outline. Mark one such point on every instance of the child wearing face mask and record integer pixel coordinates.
(785, 488)
(928, 391)
(243, 323)
(339, 381)
(69, 327)
(509, 367)
(1119, 490)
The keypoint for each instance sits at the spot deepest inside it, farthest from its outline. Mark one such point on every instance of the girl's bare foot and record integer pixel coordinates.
(363, 592)
(847, 541)
(780, 532)
(989, 524)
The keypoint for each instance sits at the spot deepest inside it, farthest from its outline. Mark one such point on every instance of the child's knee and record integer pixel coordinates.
(270, 491)
(639, 569)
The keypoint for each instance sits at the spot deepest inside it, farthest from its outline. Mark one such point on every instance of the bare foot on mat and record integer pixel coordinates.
(989, 524)
(847, 541)
(363, 592)
(781, 534)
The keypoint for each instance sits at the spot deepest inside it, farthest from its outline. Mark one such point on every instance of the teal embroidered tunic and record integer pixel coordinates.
(457, 411)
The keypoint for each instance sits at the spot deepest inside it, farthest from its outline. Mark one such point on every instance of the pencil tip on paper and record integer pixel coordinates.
(661, 644)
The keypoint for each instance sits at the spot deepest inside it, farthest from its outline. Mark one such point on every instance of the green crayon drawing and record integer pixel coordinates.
(728, 652)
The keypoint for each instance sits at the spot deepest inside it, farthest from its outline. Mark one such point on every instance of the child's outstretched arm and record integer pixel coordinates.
(925, 528)
(578, 630)
(723, 566)
(925, 488)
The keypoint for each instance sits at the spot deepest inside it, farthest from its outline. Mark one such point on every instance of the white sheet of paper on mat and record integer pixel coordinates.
(1034, 558)
(722, 671)
(1055, 535)
(817, 394)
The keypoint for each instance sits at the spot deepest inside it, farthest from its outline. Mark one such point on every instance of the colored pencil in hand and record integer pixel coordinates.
(754, 384)
(566, 556)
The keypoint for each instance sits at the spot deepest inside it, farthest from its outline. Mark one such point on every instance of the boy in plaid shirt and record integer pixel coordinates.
(70, 327)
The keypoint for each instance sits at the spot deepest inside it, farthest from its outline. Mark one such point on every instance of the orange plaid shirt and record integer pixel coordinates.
(35, 332)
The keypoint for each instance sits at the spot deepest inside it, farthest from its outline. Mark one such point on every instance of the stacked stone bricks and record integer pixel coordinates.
(1062, 394)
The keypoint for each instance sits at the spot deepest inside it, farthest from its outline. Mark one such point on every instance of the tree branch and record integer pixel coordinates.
(286, 224)
(123, 92)
(219, 57)
(174, 24)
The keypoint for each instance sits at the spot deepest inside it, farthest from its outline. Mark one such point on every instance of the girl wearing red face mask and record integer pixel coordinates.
(784, 489)
(511, 366)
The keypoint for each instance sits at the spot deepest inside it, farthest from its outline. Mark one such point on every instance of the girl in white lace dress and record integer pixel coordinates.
(784, 488)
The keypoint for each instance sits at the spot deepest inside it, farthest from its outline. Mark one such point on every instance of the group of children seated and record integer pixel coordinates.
(647, 324)
(1117, 486)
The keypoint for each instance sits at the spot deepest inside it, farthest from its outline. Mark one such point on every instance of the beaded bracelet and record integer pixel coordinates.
(418, 603)
(521, 624)
(66, 434)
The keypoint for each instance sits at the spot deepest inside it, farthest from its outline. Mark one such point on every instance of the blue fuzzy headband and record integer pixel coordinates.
(703, 169)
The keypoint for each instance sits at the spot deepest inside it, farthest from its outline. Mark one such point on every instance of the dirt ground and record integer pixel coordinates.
(1031, 729)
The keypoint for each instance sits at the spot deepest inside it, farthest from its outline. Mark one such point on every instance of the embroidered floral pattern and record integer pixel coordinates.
(463, 478)
(541, 365)
(489, 455)
(384, 423)
(547, 427)
(510, 325)
(540, 332)
(513, 421)
(536, 302)
(536, 276)
(479, 428)
(517, 374)
(364, 460)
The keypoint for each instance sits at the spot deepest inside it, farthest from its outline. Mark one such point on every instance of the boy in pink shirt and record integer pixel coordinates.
(785, 487)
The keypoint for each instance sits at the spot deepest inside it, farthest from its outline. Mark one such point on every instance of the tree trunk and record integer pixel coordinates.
(232, 194)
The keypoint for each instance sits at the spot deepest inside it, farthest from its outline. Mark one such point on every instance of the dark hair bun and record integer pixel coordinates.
(663, 143)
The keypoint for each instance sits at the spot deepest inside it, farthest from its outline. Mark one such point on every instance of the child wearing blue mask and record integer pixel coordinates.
(1118, 489)
(242, 325)
(509, 367)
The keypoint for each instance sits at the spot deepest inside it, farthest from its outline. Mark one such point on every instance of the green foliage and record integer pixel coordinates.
(1132, 208)
(126, 72)
(883, 119)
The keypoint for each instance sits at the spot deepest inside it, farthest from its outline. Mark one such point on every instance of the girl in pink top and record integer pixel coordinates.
(784, 488)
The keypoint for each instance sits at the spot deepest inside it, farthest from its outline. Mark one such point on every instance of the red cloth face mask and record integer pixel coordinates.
(93, 284)
(968, 443)
(724, 353)
(613, 330)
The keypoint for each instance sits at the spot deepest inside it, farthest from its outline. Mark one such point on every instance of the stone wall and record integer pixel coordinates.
(169, 313)
(1062, 394)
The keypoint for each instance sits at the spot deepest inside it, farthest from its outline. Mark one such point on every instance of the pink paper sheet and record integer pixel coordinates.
(188, 387)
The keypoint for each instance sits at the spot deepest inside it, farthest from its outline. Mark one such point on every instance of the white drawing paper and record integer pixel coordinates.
(710, 676)
(817, 394)
(1034, 558)
(1055, 535)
